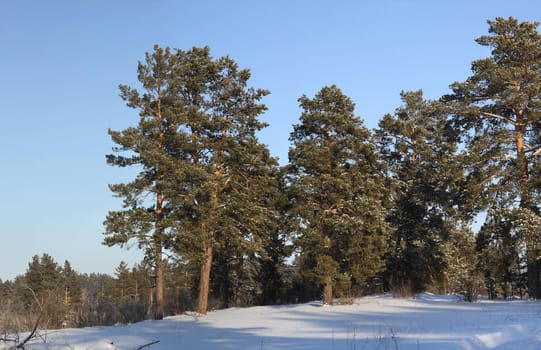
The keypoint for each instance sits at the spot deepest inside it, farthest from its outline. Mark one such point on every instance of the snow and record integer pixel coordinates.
(376, 322)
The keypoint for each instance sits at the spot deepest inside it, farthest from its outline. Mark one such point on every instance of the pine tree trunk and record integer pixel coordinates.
(150, 302)
(534, 288)
(239, 295)
(159, 281)
(159, 256)
(158, 227)
(204, 281)
(327, 291)
(533, 271)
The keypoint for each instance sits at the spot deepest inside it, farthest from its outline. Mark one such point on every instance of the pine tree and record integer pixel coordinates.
(71, 285)
(151, 147)
(336, 181)
(123, 277)
(464, 269)
(499, 245)
(200, 161)
(225, 173)
(42, 279)
(141, 286)
(498, 110)
(426, 176)
(277, 247)
(41, 292)
(251, 220)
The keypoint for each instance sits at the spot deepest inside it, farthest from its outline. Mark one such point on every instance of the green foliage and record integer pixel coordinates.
(205, 180)
(499, 244)
(354, 206)
(62, 297)
(464, 264)
(72, 285)
(498, 110)
(148, 213)
(336, 185)
(46, 294)
(427, 181)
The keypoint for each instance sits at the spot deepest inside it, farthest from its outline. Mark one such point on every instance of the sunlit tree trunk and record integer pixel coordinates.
(532, 253)
(204, 282)
(327, 290)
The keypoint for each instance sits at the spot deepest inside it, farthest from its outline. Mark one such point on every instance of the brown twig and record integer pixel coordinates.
(149, 344)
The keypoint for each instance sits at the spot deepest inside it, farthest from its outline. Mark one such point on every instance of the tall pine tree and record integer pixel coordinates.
(204, 174)
(498, 110)
(425, 174)
(235, 209)
(151, 148)
(336, 181)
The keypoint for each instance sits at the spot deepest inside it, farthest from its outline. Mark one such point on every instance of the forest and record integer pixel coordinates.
(353, 212)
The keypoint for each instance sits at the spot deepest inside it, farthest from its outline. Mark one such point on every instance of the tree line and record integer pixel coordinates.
(51, 295)
(354, 211)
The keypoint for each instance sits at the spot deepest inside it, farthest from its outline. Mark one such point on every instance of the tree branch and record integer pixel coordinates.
(496, 116)
(36, 324)
(147, 345)
(7, 339)
(535, 151)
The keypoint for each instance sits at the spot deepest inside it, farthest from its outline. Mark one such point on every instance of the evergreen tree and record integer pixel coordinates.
(140, 281)
(41, 291)
(200, 162)
(426, 178)
(337, 185)
(277, 248)
(123, 277)
(463, 272)
(499, 244)
(151, 146)
(498, 111)
(71, 285)
(98, 301)
(42, 279)
(225, 173)
(240, 274)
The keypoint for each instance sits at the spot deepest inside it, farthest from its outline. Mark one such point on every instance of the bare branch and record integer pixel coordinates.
(42, 308)
(490, 178)
(535, 151)
(496, 116)
(538, 152)
(147, 345)
(32, 333)
(9, 340)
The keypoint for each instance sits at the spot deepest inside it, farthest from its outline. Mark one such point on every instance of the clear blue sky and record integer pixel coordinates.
(61, 63)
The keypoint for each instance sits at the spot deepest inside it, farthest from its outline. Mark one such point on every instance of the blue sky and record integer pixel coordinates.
(62, 61)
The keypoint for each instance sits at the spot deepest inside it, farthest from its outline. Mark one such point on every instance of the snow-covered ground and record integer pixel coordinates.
(377, 322)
